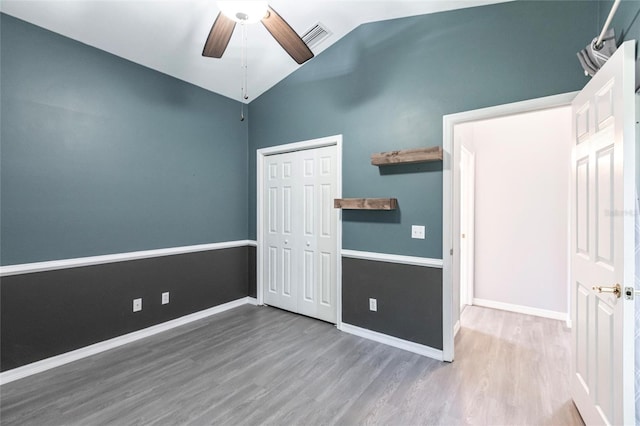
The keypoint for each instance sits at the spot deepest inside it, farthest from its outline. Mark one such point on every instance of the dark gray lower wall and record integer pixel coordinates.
(253, 283)
(409, 299)
(49, 313)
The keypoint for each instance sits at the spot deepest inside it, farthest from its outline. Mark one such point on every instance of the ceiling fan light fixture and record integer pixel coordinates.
(244, 11)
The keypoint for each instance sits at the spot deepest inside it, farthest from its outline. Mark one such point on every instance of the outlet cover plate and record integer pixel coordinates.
(165, 298)
(418, 231)
(373, 305)
(137, 305)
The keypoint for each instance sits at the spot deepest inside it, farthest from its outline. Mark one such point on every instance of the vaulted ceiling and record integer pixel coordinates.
(168, 35)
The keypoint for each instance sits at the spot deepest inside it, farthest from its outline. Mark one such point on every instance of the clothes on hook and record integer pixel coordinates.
(592, 58)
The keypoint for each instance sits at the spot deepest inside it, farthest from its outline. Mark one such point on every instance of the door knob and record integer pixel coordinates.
(286, 241)
(616, 289)
(308, 243)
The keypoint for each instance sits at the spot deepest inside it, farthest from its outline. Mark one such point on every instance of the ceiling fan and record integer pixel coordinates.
(245, 12)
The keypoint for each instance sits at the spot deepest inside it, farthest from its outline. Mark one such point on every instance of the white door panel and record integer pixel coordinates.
(281, 262)
(603, 183)
(319, 233)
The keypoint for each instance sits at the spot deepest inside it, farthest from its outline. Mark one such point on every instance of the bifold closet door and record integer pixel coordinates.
(300, 232)
(281, 180)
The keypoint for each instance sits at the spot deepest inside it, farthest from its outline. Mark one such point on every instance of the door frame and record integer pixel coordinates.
(261, 155)
(470, 216)
(451, 207)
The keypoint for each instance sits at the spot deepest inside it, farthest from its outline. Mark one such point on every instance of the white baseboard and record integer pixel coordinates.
(252, 301)
(562, 316)
(456, 328)
(392, 341)
(62, 359)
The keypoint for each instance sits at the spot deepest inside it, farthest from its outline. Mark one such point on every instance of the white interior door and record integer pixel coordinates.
(300, 232)
(602, 238)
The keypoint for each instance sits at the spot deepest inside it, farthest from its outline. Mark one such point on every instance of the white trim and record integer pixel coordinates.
(280, 149)
(252, 243)
(259, 231)
(505, 110)
(456, 328)
(339, 231)
(27, 268)
(544, 313)
(417, 348)
(393, 258)
(58, 360)
(448, 206)
(469, 215)
(301, 146)
(252, 301)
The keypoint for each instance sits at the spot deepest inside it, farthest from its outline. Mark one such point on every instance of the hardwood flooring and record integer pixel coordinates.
(260, 365)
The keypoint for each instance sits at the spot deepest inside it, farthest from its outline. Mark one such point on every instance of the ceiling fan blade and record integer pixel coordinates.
(219, 37)
(287, 37)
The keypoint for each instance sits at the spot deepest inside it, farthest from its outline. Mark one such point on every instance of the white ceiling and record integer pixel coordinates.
(168, 35)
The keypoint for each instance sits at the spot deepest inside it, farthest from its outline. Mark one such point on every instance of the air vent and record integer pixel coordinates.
(316, 35)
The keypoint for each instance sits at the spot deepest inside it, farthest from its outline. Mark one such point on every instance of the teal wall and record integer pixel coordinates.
(386, 86)
(100, 155)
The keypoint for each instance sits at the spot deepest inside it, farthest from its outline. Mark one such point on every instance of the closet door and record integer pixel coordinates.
(300, 226)
(317, 295)
(281, 224)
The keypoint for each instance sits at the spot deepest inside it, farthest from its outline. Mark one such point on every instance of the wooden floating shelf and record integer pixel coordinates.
(407, 156)
(366, 203)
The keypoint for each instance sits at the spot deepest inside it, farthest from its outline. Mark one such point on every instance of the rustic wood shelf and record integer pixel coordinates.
(407, 156)
(366, 203)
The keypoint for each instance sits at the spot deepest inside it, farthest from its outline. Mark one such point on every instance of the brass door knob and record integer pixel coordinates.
(616, 289)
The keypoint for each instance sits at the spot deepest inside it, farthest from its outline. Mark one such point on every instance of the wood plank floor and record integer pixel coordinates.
(260, 365)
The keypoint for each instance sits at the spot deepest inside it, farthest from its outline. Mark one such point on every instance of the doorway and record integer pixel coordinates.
(451, 202)
(518, 257)
(299, 231)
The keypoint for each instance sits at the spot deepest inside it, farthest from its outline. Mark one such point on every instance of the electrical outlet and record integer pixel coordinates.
(137, 305)
(418, 231)
(373, 305)
(165, 298)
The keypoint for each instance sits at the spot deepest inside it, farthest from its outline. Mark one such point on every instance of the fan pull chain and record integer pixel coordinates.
(244, 70)
(245, 65)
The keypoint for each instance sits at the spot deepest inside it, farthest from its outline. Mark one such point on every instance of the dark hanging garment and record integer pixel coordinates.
(593, 57)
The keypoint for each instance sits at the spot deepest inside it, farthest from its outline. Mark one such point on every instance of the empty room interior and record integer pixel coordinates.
(323, 212)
